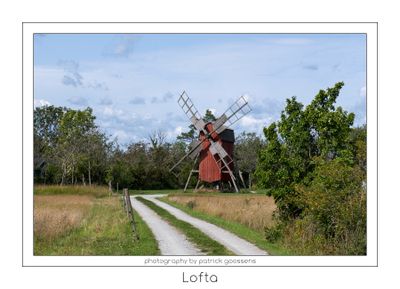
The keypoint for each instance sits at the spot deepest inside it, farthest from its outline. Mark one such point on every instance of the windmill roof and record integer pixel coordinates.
(227, 134)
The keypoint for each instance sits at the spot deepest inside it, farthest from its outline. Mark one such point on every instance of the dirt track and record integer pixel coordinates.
(232, 242)
(170, 240)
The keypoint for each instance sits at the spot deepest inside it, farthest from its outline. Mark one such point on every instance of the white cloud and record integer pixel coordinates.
(122, 136)
(123, 47)
(137, 100)
(249, 121)
(363, 91)
(251, 124)
(172, 134)
(178, 130)
(40, 102)
(213, 110)
(106, 101)
(110, 111)
(78, 100)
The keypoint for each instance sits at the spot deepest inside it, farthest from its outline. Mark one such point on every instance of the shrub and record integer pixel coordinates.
(274, 233)
(333, 218)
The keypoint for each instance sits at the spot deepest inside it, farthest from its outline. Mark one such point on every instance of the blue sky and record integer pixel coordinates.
(133, 81)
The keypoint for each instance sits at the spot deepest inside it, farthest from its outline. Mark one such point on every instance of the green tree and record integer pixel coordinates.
(247, 149)
(46, 120)
(74, 126)
(358, 139)
(314, 165)
(319, 130)
(46, 124)
(209, 116)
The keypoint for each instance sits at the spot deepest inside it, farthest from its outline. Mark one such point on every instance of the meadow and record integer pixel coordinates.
(83, 221)
(251, 210)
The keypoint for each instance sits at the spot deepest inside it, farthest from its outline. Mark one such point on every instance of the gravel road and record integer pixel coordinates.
(232, 242)
(170, 240)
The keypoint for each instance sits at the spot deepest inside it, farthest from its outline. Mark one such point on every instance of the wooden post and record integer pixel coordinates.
(124, 201)
(126, 195)
(250, 181)
(187, 182)
(241, 178)
(197, 184)
(129, 211)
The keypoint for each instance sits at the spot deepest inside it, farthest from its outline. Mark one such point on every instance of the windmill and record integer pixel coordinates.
(214, 145)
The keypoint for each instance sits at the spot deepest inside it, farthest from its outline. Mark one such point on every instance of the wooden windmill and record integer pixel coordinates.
(214, 145)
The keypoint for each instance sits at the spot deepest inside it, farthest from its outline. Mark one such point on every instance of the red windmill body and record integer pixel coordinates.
(209, 168)
(215, 144)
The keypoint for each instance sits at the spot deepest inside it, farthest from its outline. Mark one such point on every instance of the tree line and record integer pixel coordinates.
(69, 148)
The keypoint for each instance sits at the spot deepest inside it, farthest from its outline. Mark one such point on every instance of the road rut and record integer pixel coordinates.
(170, 240)
(232, 242)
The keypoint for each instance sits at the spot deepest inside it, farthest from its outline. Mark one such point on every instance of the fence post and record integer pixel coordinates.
(129, 211)
(126, 196)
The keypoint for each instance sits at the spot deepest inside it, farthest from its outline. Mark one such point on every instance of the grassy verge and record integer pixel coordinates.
(78, 190)
(240, 230)
(152, 192)
(206, 193)
(205, 243)
(101, 228)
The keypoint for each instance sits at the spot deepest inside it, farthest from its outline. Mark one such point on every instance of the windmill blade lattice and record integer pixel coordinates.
(191, 111)
(237, 110)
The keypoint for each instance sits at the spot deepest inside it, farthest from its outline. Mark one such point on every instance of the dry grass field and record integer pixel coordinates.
(86, 221)
(56, 215)
(253, 211)
(77, 190)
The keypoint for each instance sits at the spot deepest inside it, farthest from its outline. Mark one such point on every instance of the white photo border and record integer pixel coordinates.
(368, 28)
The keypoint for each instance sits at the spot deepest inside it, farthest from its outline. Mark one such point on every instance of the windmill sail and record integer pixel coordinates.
(212, 133)
(191, 111)
(234, 113)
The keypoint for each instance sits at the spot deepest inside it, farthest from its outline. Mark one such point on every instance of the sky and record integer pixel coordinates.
(133, 81)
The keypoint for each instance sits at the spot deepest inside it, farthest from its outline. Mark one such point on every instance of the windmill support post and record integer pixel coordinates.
(241, 177)
(188, 179)
(197, 184)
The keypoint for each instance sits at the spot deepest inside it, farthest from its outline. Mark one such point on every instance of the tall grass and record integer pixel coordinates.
(79, 220)
(253, 211)
(77, 190)
(55, 216)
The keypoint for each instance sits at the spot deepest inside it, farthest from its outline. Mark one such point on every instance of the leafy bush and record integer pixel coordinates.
(274, 233)
(333, 220)
(314, 165)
